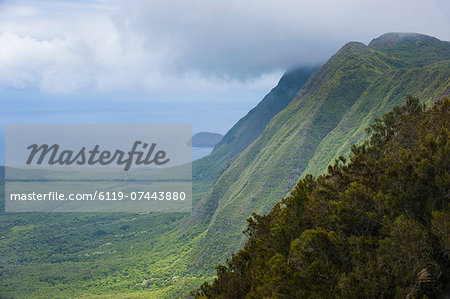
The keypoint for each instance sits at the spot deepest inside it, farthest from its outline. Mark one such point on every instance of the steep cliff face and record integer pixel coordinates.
(327, 116)
(248, 128)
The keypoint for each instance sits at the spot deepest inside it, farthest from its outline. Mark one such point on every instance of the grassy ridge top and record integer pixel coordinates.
(412, 48)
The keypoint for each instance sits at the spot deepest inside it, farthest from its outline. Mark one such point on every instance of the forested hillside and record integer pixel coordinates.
(375, 227)
(323, 121)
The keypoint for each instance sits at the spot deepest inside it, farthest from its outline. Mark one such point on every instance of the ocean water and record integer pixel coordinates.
(198, 152)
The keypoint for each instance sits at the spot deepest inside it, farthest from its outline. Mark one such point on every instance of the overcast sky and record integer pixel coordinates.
(201, 51)
(65, 46)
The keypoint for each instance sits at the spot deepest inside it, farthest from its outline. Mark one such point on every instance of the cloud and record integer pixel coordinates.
(243, 38)
(197, 45)
(54, 65)
(68, 48)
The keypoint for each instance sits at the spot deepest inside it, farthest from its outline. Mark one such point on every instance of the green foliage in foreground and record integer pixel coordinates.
(375, 227)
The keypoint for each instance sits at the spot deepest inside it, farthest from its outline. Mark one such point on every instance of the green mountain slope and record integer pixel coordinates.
(327, 116)
(248, 128)
(377, 227)
(206, 170)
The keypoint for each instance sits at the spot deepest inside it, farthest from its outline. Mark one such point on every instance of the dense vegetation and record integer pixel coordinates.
(375, 227)
(327, 116)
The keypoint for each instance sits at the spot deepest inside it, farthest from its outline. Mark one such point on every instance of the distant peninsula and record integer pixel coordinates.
(205, 139)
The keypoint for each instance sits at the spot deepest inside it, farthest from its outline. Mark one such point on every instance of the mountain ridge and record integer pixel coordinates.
(303, 136)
